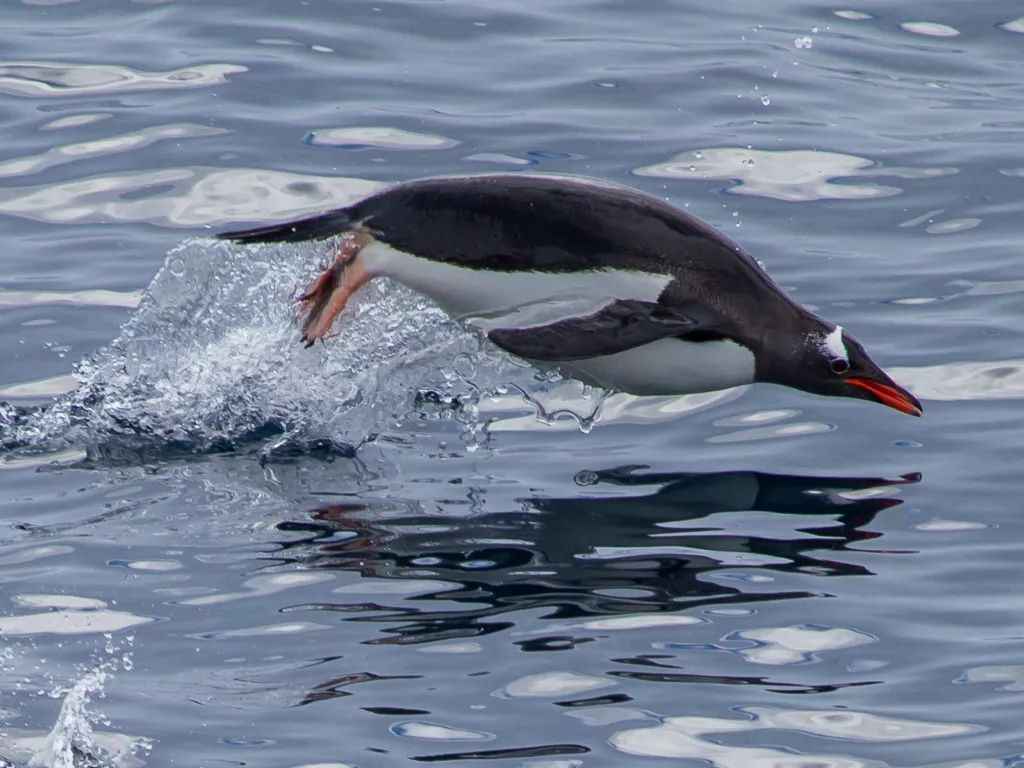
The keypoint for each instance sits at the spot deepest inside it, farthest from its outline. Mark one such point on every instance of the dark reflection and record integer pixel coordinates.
(774, 686)
(631, 542)
(547, 750)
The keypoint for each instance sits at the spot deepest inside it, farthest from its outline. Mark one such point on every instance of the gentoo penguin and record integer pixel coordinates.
(609, 285)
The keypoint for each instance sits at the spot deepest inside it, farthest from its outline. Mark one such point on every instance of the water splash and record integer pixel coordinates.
(72, 736)
(211, 361)
(72, 742)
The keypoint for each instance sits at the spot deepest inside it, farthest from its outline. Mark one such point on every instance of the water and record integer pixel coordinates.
(217, 547)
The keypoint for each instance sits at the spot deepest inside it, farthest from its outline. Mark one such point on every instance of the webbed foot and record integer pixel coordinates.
(328, 294)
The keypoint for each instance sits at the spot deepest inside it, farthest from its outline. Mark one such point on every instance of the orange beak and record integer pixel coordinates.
(890, 394)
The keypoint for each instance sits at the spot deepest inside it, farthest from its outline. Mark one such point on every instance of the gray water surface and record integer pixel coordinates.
(218, 548)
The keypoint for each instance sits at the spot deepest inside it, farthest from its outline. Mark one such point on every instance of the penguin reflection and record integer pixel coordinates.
(664, 542)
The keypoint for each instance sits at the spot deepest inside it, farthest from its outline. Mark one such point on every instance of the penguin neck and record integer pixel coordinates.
(787, 344)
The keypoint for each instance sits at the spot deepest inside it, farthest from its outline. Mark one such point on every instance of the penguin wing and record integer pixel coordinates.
(619, 326)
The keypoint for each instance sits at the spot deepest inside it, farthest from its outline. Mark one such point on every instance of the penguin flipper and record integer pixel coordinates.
(619, 326)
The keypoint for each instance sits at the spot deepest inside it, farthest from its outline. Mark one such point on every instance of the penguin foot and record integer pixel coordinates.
(327, 295)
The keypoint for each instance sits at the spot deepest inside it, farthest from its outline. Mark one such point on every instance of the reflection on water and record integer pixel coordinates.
(686, 737)
(184, 197)
(49, 79)
(633, 543)
(108, 145)
(982, 380)
(377, 138)
(797, 175)
(930, 28)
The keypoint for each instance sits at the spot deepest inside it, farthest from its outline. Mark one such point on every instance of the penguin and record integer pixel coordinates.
(609, 285)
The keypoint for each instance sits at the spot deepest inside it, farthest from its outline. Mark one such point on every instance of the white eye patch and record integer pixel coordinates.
(832, 344)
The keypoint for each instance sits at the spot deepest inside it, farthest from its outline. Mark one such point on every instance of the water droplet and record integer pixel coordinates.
(803, 42)
(586, 477)
(764, 101)
(698, 154)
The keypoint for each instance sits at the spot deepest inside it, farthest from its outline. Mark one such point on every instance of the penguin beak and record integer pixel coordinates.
(889, 393)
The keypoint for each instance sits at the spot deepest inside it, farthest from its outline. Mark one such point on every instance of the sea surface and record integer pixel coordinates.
(402, 547)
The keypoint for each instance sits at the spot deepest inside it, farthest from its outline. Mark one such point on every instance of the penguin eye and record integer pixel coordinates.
(838, 365)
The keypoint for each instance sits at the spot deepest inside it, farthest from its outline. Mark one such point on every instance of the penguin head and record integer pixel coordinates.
(826, 360)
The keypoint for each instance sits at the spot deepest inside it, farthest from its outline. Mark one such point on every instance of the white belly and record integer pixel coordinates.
(526, 298)
(489, 298)
(667, 367)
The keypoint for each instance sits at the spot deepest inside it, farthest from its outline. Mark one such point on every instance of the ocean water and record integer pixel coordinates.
(218, 548)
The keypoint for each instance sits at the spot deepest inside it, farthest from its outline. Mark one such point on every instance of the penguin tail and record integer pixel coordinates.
(313, 228)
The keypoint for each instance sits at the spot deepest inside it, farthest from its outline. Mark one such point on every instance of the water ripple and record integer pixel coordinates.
(72, 616)
(20, 166)
(93, 297)
(794, 645)
(184, 197)
(52, 79)
(982, 380)
(930, 28)
(377, 138)
(791, 175)
(686, 737)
